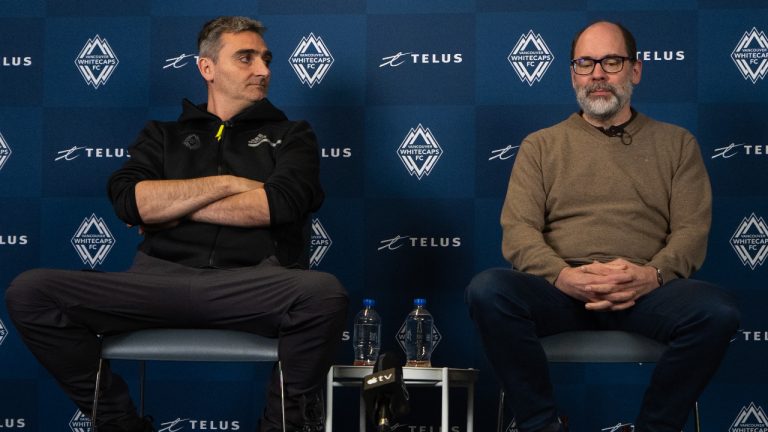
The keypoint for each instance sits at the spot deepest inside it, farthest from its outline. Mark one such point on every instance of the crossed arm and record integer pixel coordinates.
(223, 200)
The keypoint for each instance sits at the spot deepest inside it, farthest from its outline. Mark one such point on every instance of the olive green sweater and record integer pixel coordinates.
(576, 195)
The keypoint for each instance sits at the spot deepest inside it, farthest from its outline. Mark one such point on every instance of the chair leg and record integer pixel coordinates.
(696, 418)
(142, 373)
(95, 407)
(282, 392)
(500, 415)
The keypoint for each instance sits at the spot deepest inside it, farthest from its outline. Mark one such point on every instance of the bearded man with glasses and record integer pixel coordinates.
(606, 217)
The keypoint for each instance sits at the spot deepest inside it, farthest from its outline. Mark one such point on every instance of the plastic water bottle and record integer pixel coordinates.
(418, 335)
(366, 338)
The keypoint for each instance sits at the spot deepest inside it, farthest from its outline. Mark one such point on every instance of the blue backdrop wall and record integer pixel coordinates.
(419, 106)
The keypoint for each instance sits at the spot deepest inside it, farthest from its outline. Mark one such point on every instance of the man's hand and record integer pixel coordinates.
(577, 282)
(613, 286)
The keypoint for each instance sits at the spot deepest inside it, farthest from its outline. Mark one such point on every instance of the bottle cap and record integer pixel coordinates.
(369, 302)
(419, 302)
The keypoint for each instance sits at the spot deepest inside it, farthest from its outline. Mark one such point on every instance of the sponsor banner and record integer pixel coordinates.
(523, 58)
(340, 136)
(750, 241)
(5, 151)
(733, 61)
(19, 238)
(18, 404)
(530, 57)
(734, 145)
(311, 60)
(419, 151)
(669, 62)
(320, 243)
(173, 60)
(412, 153)
(316, 62)
(20, 146)
(495, 152)
(751, 55)
(434, 68)
(751, 418)
(21, 65)
(96, 62)
(312, 7)
(3, 332)
(78, 162)
(93, 240)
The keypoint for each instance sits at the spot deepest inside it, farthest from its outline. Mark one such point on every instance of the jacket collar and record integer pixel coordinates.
(259, 110)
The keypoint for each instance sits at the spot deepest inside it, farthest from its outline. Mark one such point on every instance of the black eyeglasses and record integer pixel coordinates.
(610, 64)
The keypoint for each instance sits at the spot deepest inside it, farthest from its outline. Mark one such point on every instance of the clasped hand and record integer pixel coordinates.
(611, 286)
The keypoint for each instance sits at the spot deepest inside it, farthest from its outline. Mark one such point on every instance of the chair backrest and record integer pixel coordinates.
(601, 347)
(189, 345)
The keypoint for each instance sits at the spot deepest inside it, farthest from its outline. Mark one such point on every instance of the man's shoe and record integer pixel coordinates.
(144, 424)
(312, 412)
(148, 426)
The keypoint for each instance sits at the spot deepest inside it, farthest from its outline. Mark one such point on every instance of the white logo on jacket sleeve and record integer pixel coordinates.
(261, 139)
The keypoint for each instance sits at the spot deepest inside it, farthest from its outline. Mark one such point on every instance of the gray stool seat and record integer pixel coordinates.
(204, 345)
(599, 346)
(190, 345)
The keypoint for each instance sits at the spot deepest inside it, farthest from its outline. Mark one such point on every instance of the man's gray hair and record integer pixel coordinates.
(209, 39)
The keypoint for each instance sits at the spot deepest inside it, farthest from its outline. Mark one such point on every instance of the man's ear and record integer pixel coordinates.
(206, 67)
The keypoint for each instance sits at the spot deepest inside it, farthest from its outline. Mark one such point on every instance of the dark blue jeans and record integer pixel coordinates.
(695, 318)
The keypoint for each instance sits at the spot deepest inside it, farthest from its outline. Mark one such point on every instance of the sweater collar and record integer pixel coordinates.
(635, 123)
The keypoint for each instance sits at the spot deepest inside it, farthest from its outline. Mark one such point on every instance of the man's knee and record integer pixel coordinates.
(723, 318)
(26, 288)
(485, 288)
(711, 307)
(324, 287)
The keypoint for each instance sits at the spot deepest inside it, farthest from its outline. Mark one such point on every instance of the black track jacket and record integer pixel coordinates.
(259, 143)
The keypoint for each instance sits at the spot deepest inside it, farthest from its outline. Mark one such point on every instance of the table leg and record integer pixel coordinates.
(446, 385)
(362, 411)
(329, 401)
(471, 407)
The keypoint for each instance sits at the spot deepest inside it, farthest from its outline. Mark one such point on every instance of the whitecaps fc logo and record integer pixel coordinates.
(93, 240)
(80, 422)
(319, 244)
(5, 151)
(530, 57)
(96, 61)
(750, 241)
(751, 55)
(3, 332)
(419, 151)
(751, 418)
(311, 60)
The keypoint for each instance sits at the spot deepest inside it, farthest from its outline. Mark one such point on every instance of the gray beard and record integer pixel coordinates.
(604, 109)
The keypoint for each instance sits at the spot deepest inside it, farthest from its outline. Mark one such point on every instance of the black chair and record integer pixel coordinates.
(185, 345)
(600, 347)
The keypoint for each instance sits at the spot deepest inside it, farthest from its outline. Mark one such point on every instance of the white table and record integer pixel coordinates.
(352, 376)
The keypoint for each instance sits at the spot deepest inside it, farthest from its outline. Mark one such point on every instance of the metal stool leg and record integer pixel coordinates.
(696, 418)
(500, 415)
(142, 376)
(282, 392)
(95, 408)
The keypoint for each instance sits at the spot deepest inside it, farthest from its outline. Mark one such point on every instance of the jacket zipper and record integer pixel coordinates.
(220, 140)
